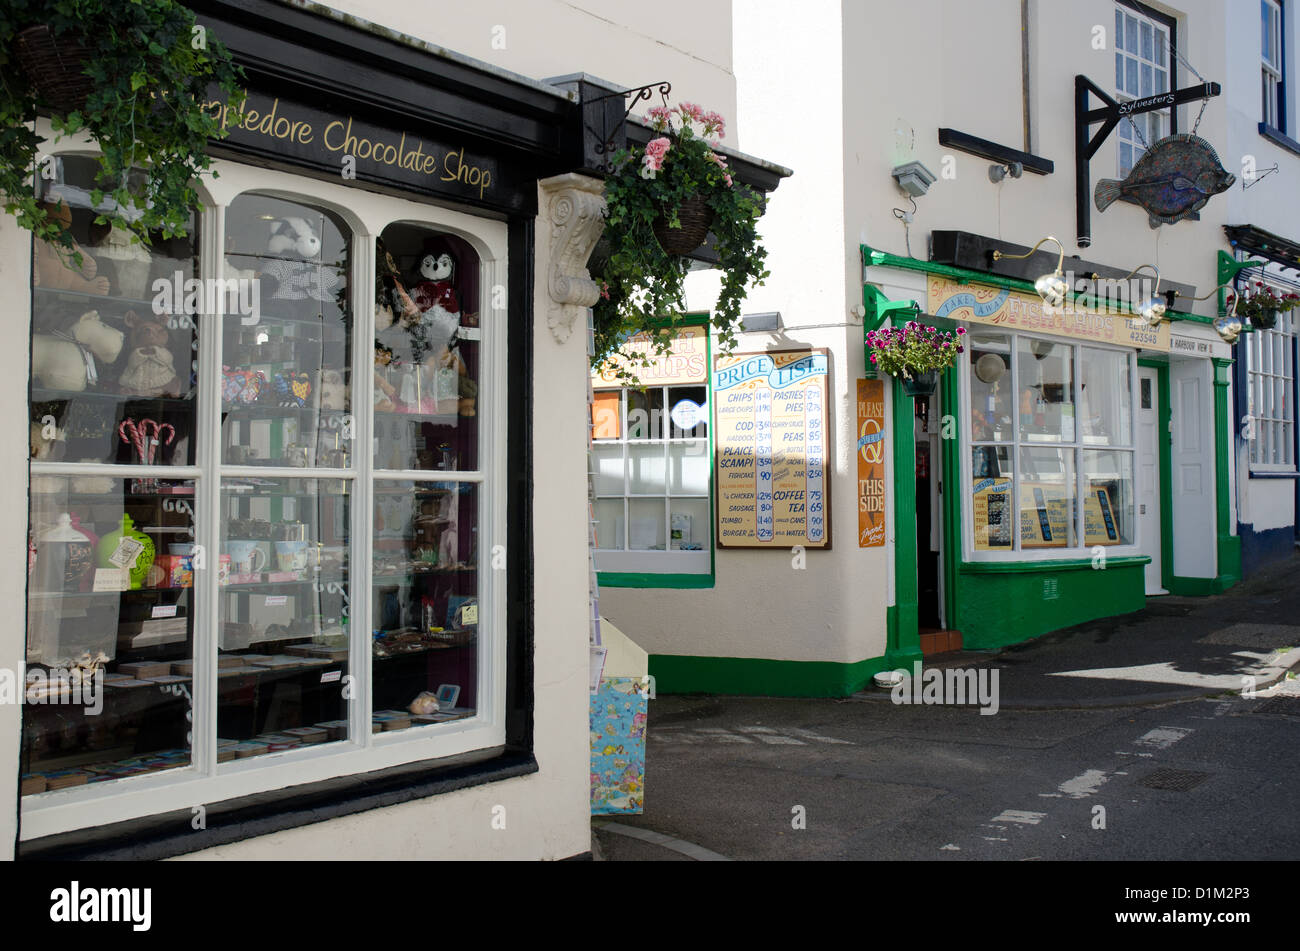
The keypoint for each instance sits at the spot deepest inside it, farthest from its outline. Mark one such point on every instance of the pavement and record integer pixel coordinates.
(1162, 716)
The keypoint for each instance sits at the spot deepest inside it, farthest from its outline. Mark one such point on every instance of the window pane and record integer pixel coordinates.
(606, 422)
(282, 614)
(1131, 34)
(425, 603)
(991, 497)
(607, 462)
(1148, 51)
(115, 380)
(1046, 381)
(110, 591)
(688, 412)
(1106, 413)
(646, 469)
(645, 414)
(427, 358)
(1125, 159)
(688, 468)
(1131, 77)
(990, 362)
(1108, 511)
(1047, 498)
(1119, 70)
(645, 526)
(609, 524)
(689, 524)
(1162, 44)
(1146, 80)
(285, 389)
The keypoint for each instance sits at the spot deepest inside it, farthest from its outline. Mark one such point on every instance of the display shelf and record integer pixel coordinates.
(83, 595)
(41, 394)
(126, 302)
(444, 419)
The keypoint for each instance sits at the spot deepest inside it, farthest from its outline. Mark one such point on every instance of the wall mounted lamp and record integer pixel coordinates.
(1150, 309)
(1227, 325)
(1051, 287)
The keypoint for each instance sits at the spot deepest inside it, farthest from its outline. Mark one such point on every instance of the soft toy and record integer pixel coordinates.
(57, 270)
(104, 341)
(384, 391)
(437, 289)
(150, 367)
(333, 391)
(131, 260)
(61, 363)
(296, 274)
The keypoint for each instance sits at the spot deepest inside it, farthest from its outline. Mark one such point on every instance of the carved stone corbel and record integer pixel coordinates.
(575, 208)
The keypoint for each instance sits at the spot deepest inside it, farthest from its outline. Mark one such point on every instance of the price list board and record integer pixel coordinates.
(771, 434)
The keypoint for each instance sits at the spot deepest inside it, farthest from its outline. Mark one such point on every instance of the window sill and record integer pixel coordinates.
(170, 834)
(1274, 474)
(1278, 137)
(1049, 564)
(648, 579)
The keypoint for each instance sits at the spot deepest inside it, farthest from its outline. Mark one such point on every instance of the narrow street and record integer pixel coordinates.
(1183, 765)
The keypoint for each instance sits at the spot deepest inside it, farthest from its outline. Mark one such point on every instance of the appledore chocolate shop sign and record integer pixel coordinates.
(359, 150)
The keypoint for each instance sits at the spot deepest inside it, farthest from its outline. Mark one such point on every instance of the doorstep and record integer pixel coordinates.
(939, 642)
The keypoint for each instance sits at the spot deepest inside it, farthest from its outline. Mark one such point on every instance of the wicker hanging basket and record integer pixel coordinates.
(696, 216)
(56, 67)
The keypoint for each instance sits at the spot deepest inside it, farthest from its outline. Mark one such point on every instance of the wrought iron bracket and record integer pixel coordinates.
(604, 120)
(1087, 145)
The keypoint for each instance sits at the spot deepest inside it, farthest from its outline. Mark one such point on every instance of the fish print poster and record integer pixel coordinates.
(618, 714)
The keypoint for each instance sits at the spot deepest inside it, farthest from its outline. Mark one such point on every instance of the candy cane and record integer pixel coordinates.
(136, 438)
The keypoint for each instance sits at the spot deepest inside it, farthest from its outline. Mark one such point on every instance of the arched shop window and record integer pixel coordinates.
(1051, 446)
(267, 481)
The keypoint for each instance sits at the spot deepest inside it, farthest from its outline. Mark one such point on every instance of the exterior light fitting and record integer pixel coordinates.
(1150, 309)
(1227, 325)
(1051, 287)
(913, 178)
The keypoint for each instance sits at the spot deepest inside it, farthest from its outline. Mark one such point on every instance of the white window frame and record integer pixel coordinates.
(1271, 68)
(1077, 446)
(1161, 119)
(668, 561)
(1270, 375)
(204, 781)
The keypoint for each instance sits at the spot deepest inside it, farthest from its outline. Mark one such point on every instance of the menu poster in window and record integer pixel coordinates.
(772, 445)
(1044, 515)
(1099, 518)
(991, 505)
(871, 463)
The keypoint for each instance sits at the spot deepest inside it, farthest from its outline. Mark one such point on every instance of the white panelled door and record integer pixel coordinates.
(1148, 418)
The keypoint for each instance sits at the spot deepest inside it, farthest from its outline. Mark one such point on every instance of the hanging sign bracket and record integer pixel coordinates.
(1086, 145)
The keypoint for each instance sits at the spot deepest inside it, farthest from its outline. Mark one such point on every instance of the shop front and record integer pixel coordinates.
(1043, 478)
(281, 508)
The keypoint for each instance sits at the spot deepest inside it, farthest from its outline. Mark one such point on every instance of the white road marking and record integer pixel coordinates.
(770, 736)
(1083, 785)
(1019, 816)
(1161, 738)
(950, 847)
(790, 736)
(817, 737)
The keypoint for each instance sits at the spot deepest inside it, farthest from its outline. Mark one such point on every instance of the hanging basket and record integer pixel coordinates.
(56, 67)
(921, 383)
(1266, 319)
(696, 216)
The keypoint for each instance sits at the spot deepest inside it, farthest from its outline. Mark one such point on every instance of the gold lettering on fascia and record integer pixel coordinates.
(337, 136)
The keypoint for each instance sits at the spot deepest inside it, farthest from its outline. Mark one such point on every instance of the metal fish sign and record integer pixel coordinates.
(1175, 178)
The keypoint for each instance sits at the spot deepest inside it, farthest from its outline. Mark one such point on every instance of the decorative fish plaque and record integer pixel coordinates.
(1174, 179)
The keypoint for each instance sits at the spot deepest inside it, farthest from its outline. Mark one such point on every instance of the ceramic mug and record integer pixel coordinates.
(291, 555)
(246, 557)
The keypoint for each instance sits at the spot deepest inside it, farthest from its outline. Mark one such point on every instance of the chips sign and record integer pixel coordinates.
(770, 418)
(1026, 313)
(684, 364)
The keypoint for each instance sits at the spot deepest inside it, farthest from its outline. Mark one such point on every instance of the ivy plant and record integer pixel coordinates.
(150, 68)
(643, 286)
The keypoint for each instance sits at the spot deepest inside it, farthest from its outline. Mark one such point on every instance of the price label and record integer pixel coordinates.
(126, 552)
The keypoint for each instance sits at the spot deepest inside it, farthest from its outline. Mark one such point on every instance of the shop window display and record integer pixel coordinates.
(189, 530)
(1062, 448)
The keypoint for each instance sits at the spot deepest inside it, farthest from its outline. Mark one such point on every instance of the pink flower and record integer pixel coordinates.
(714, 124)
(690, 110)
(656, 150)
(659, 116)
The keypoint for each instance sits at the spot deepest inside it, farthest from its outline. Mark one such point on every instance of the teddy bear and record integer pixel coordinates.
(150, 365)
(131, 260)
(60, 363)
(103, 341)
(296, 273)
(56, 269)
(333, 391)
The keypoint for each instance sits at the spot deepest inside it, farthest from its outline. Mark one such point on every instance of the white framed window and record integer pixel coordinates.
(1270, 375)
(318, 524)
(1049, 434)
(651, 475)
(1142, 69)
(1270, 54)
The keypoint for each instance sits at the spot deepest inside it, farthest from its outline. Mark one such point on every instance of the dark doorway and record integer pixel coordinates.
(929, 513)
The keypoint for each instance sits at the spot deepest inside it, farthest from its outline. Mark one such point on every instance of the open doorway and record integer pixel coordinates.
(929, 521)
